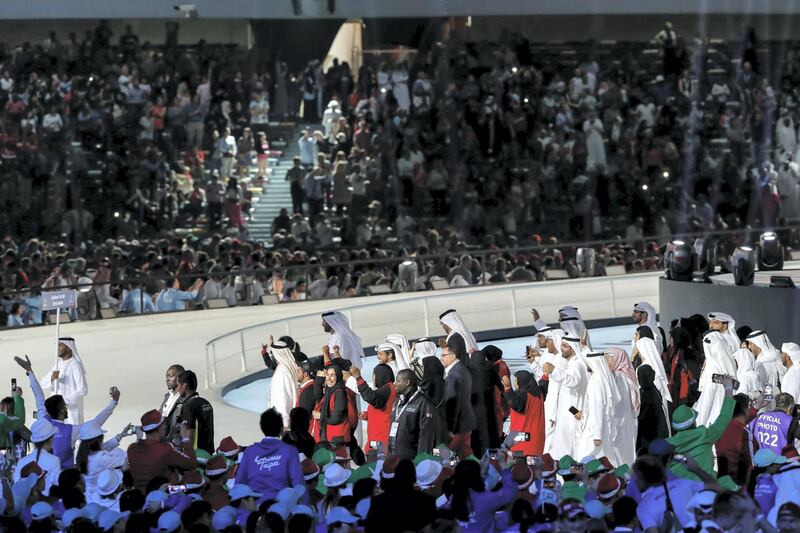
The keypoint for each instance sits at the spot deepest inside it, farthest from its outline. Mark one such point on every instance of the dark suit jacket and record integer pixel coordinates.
(458, 404)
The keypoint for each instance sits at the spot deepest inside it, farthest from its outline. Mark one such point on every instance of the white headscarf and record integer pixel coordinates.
(575, 344)
(451, 319)
(650, 356)
(651, 322)
(768, 362)
(345, 338)
(392, 348)
(283, 355)
(790, 383)
(402, 350)
(570, 321)
(599, 369)
(69, 342)
(424, 348)
(746, 373)
(792, 350)
(712, 394)
(545, 356)
(730, 334)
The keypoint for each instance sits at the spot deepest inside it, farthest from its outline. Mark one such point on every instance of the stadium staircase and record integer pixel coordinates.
(275, 194)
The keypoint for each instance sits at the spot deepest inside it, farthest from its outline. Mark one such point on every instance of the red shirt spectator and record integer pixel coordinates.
(734, 447)
(151, 458)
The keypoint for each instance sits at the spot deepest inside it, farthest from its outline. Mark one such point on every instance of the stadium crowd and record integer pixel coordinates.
(475, 145)
(694, 430)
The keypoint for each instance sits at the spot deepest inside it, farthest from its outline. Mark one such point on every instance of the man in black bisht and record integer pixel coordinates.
(411, 430)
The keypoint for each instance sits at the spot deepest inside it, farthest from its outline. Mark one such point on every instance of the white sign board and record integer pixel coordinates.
(67, 299)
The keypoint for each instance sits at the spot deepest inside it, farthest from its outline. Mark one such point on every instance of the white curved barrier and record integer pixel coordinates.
(417, 314)
(134, 352)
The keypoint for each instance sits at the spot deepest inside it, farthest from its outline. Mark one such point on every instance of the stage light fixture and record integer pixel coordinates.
(705, 249)
(678, 261)
(743, 265)
(770, 252)
(585, 260)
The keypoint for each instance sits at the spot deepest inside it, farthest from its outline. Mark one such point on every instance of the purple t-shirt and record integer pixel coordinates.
(268, 466)
(62, 442)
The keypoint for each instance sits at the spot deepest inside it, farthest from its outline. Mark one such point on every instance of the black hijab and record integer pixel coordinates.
(432, 384)
(330, 391)
(383, 375)
(653, 424)
(492, 353)
(681, 339)
(645, 332)
(526, 384)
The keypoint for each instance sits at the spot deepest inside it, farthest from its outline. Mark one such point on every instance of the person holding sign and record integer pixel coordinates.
(68, 378)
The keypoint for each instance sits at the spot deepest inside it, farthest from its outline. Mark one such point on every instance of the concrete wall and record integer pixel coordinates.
(540, 28)
(231, 31)
(632, 27)
(282, 9)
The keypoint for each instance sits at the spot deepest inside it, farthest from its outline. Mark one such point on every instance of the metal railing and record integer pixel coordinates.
(228, 356)
(244, 279)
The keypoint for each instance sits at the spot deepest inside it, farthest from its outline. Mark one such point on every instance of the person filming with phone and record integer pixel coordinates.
(54, 409)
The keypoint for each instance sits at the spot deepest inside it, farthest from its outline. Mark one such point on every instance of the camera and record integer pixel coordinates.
(188, 10)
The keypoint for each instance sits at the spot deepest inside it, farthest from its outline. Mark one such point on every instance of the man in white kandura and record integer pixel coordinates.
(283, 391)
(768, 360)
(68, 378)
(350, 346)
(572, 379)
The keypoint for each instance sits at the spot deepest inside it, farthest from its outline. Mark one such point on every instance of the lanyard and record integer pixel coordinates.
(399, 412)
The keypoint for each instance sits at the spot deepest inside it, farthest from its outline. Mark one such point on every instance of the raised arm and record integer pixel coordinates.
(36, 388)
(106, 412)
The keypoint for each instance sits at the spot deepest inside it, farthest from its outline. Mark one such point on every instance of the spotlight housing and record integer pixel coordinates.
(678, 261)
(743, 265)
(770, 252)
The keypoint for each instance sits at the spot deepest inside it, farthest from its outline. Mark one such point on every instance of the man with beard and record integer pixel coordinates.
(68, 378)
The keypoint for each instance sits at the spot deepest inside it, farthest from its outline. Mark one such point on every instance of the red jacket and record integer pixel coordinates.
(531, 421)
(379, 412)
(337, 424)
(151, 458)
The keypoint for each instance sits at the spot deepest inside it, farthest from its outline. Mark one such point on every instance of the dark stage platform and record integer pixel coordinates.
(775, 310)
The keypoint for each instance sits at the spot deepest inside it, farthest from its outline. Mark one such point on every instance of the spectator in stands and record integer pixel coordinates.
(174, 299)
(15, 315)
(137, 300)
